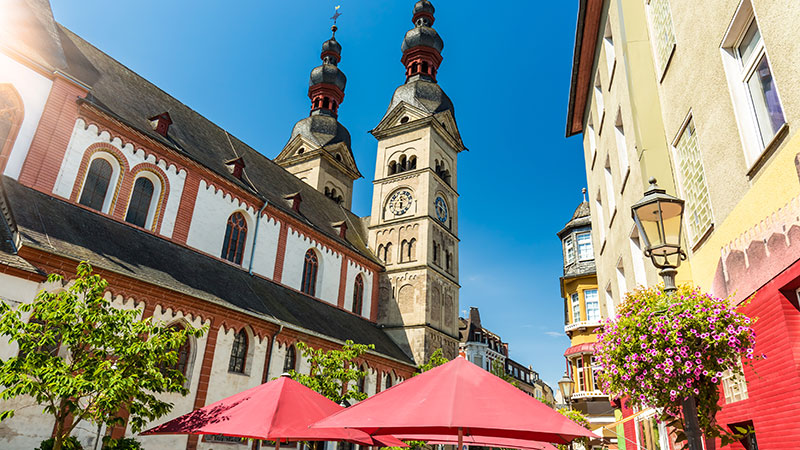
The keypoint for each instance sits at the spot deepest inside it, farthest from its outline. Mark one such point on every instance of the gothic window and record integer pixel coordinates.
(235, 237)
(358, 294)
(388, 380)
(290, 359)
(11, 113)
(95, 188)
(362, 380)
(139, 206)
(310, 269)
(238, 352)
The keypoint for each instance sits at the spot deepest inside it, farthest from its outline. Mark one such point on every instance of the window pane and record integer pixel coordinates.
(139, 207)
(576, 308)
(664, 35)
(585, 250)
(592, 304)
(235, 237)
(693, 183)
(96, 185)
(749, 42)
(569, 250)
(769, 113)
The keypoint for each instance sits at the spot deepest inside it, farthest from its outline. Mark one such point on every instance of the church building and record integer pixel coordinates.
(193, 226)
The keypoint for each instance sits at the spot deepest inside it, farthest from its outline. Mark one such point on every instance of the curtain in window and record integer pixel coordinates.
(95, 187)
(139, 207)
(235, 237)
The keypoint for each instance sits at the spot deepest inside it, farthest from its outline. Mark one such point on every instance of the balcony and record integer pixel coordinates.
(583, 325)
(588, 394)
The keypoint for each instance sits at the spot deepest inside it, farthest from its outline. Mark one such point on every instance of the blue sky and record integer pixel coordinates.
(244, 64)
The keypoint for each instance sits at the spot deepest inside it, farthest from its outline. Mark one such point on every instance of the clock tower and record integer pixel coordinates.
(413, 228)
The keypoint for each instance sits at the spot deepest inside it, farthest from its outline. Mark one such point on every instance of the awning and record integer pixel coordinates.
(587, 347)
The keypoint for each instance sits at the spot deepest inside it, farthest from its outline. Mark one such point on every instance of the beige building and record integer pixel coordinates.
(700, 96)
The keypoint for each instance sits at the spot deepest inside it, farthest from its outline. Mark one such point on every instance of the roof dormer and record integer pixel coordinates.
(161, 123)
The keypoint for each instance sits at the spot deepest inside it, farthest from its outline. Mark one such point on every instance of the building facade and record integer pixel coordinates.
(583, 319)
(193, 226)
(487, 350)
(705, 91)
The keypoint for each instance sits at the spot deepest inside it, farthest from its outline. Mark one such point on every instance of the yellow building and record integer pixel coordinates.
(583, 318)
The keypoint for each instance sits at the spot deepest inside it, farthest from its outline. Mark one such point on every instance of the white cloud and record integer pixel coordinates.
(554, 333)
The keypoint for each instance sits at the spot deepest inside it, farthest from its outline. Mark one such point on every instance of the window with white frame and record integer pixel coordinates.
(585, 249)
(622, 285)
(576, 308)
(598, 99)
(608, 46)
(622, 146)
(592, 304)
(663, 33)
(692, 182)
(580, 373)
(596, 368)
(569, 250)
(598, 218)
(609, 179)
(734, 386)
(755, 94)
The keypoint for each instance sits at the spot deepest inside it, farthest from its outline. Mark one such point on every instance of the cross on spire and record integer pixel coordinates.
(336, 14)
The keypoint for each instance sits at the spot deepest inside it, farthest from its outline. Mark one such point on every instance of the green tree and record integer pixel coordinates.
(84, 359)
(580, 419)
(436, 360)
(333, 369)
(498, 370)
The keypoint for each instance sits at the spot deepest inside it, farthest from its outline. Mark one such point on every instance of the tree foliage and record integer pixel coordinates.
(660, 349)
(333, 369)
(499, 370)
(84, 359)
(577, 417)
(437, 359)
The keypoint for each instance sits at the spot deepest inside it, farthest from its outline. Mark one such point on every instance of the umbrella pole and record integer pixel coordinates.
(460, 438)
(278, 444)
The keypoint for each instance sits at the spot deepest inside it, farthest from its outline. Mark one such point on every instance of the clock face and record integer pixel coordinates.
(400, 202)
(441, 209)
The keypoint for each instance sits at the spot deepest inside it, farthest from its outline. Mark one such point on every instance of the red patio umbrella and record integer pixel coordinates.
(457, 399)
(482, 441)
(280, 410)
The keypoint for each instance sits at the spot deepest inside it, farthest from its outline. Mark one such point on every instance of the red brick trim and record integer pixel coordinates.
(343, 281)
(52, 137)
(80, 179)
(19, 273)
(376, 284)
(127, 191)
(205, 377)
(186, 208)
(16, 121)
(281, 253)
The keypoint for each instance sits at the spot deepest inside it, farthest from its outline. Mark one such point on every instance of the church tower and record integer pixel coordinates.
(414, 223)
(318, 151)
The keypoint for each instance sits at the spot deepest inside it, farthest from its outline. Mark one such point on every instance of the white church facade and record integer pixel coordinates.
(193, 226)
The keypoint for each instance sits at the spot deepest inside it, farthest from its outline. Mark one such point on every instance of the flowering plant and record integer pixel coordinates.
(661, 349)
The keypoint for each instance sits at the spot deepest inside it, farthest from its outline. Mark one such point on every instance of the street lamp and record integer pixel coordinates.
(566, 386)
(659, 217)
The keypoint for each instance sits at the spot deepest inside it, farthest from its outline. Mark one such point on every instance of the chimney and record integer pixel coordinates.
(161, 123)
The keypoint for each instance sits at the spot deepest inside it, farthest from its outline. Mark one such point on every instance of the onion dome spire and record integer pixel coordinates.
(327, 82)
(422, 46)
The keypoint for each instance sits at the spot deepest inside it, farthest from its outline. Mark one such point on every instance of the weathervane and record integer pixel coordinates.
(336, 14)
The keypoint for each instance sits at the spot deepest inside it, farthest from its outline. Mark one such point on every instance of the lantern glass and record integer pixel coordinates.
(566, 386)
(659, 218)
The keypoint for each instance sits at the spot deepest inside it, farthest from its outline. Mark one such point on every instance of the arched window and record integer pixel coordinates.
(412, 251)
(401, 164)
(362, 380)
(238, 352)
(95, 188)
(424, 67)
(387, 253)
(11, 115)
(392, 167)
(235, 237)
(448, 259)
(380, 253)
(358, 294)
(435, 252)
(412, 163)
(403, 251)
(310, 268)
(141, 198)
(290, 360)
(184, 352)
(388, 380)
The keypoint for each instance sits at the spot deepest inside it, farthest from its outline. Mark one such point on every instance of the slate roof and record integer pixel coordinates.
(131, 99)
(580, 218)
(8, 234)
(58, 227)
(28, 27)
(425, 95)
